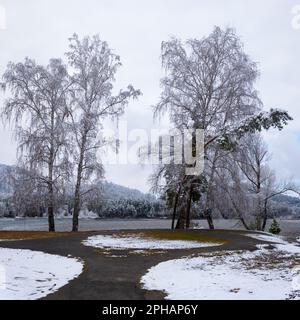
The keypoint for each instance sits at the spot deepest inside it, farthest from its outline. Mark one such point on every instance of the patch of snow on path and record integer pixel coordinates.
(262, 274)
(30, 275)
(138, 243)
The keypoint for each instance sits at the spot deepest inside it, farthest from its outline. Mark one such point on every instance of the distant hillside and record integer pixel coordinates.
(292, 201)
(111, 190)
(5, 186)
(286, 206)
(115, 192)
(3, 169)
(113, 201)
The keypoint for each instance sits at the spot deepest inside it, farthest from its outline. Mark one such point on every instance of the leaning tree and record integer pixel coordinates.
(209, 84)
(248, 185)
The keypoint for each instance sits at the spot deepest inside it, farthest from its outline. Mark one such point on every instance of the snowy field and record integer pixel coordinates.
(289, 227)
(139, 242)
(30, 275)
(272, 274)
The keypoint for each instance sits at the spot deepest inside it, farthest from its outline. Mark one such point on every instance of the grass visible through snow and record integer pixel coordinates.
(173, 235)
(23, 235)
(154, 234)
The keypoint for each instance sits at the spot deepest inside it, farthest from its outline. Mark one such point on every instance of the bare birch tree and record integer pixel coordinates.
(94, 67)
(37, 107)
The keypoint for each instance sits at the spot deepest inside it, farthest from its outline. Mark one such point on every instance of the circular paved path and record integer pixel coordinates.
(117, 278)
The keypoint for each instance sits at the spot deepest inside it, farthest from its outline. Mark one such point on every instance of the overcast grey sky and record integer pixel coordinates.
(135, 30)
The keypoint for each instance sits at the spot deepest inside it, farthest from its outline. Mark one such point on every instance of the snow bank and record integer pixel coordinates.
(139, 242)
(289, 248)
(86, 214)
(278, 242)
(229, 276)
(266, 237)
(30, 275)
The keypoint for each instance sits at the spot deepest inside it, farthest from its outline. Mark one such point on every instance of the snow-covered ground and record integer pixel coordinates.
(140, 242)
(282, 244)
(268, 237)
(30, 275)
(262, 274)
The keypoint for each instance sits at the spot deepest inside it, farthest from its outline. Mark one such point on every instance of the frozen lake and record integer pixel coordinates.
(289, 227)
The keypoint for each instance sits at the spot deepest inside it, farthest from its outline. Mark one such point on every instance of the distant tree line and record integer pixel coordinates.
(22, 198)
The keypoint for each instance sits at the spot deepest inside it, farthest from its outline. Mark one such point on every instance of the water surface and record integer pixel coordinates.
(289, 227)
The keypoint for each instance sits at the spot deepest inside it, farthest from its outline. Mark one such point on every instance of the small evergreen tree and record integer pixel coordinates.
(275, 228)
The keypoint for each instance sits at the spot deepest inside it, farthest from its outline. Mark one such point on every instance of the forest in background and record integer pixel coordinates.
(114, 201)
(108, 200)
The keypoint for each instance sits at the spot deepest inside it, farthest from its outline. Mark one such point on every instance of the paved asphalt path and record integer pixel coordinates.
(117, 278)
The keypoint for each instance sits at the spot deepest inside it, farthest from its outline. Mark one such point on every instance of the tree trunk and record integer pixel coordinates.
(258, 223)
(188, 208)
(244, 223)
(51, 222)
(210, 222)
(208, 216)
(50, 177)
(181, 220)
(175, 207)
(76, 203)
(265, 218)
(77, 197)
(51, 219)
(258, 191)
(174, 211)
(51, 209)
(239, 213)
(263, 228)
(207, 210)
